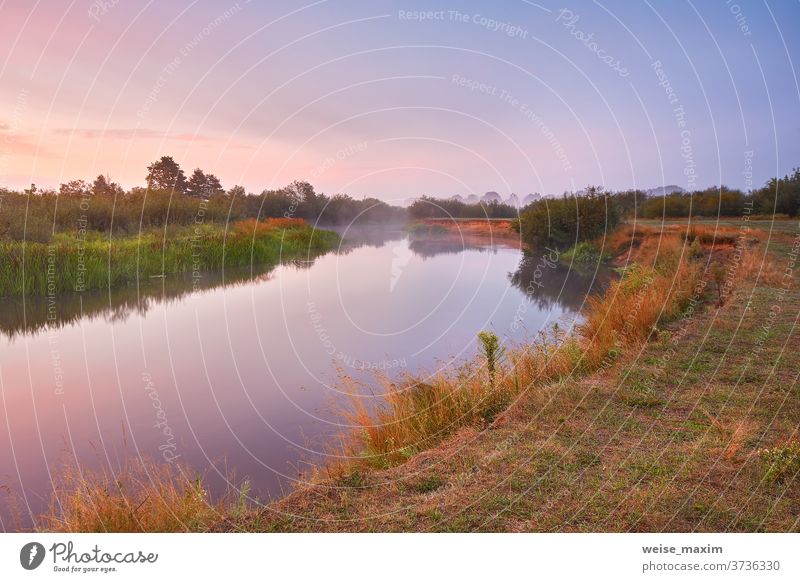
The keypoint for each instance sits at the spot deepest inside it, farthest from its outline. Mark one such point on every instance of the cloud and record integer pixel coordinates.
(143, 133)
(17, 143)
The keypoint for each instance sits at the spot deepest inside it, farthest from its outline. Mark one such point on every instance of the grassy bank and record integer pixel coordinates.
(420, 412)
(670, 408)
(93, 261)
(467, 227)
(677, 415)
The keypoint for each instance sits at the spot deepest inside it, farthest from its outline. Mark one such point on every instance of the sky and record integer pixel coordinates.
(402, 99)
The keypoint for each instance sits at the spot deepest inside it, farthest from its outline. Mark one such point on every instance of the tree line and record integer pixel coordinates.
(172, 199)
(429, 207)
(572, 218)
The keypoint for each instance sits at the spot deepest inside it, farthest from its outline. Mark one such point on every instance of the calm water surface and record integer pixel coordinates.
(239, 370)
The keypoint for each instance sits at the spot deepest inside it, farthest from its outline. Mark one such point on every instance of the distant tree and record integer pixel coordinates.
(196, 185)
(278, 203)
(73, 188)
(779, 195)
(570, 219)
(340, 209)
(714, 201)
(429, 207)
(202, 185)
(213, 185)
(166, 174)
(102, 186)
(629, 203)
(237, 192)
(310, 204)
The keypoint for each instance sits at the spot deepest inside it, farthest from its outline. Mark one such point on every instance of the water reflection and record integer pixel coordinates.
(29, 315)
(548, 282)
(455, 243)
(32, 314)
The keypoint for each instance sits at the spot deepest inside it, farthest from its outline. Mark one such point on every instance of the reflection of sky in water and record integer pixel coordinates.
(246, 372)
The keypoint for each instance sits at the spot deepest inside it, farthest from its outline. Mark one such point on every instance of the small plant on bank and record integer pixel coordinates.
(695, 252)
(781, 462)
(718, 276)
(492, 351)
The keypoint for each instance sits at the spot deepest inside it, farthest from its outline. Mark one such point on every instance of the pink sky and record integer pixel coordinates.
(356, 98)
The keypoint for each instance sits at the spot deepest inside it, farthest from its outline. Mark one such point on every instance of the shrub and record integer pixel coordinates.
(569, 220)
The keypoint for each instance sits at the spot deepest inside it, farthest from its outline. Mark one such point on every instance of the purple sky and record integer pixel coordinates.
(367, 98)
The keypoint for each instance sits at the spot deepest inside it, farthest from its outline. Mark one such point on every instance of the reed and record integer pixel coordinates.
(141, 496)
(69, 263)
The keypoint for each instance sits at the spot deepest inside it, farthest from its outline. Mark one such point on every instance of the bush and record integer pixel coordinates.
(428, 207)
(566, 221)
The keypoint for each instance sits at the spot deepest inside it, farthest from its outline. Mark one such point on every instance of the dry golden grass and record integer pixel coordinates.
(142, 496)
(484, 227)
(253, 227)
(755, 265)
(416, 414)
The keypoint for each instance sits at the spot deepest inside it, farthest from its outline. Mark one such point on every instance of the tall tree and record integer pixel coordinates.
(102, 186)
(73, 188)
(310, 202)
(213, 185)
(196, 186)
(202, 185)
(166, 174)
(237, 192)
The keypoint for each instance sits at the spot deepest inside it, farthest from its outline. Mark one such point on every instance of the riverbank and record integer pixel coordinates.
(668, 410)
(469, 227)
(90, 261)
(691, 430)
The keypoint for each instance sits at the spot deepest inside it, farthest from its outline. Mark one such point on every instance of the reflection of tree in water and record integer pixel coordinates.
(357, 236)
(544, 285)
(548, 283)
(18, 317)
(424, 244)
(427, 246)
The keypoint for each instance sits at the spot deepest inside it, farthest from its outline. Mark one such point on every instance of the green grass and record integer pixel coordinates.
(583, 254)
(69, 263)
(423, 229)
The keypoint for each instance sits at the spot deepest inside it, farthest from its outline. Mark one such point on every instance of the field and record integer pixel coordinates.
(781, 225)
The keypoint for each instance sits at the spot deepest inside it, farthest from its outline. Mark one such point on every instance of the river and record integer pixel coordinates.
(240, 371)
